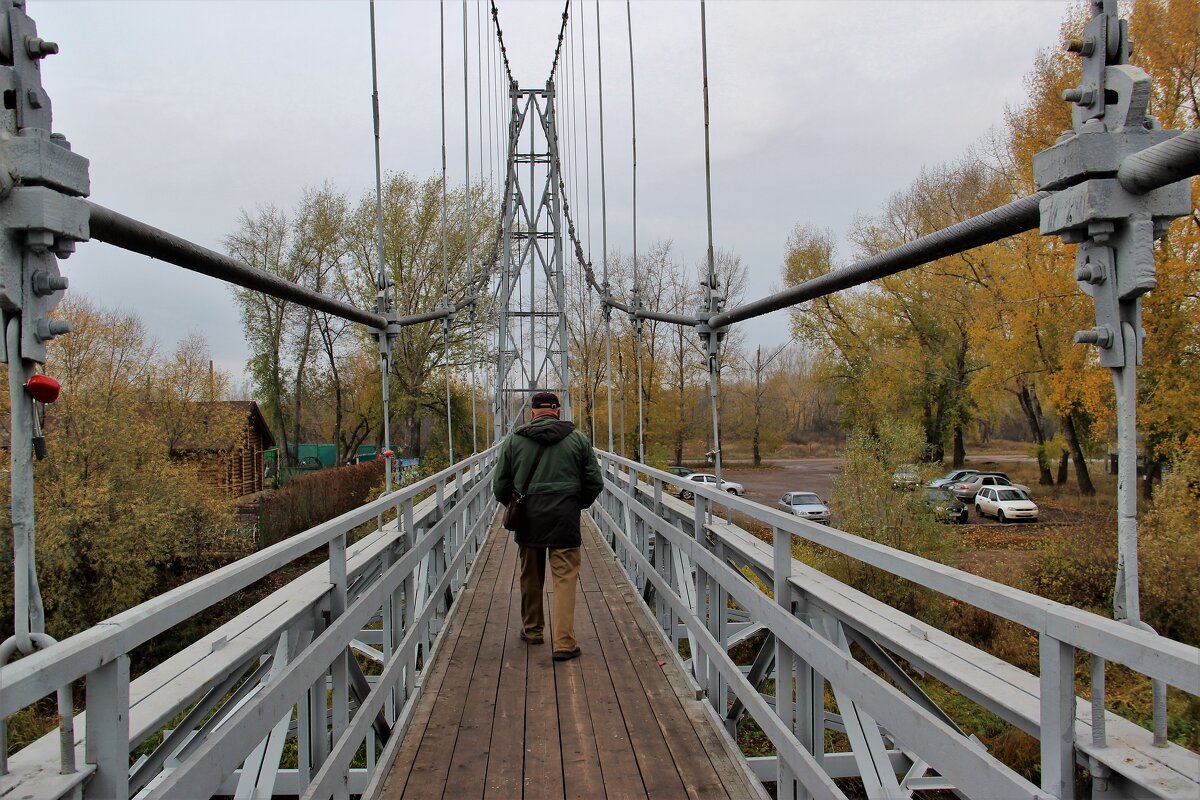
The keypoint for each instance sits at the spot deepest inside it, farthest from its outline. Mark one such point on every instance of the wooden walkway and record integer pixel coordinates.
(500, 719)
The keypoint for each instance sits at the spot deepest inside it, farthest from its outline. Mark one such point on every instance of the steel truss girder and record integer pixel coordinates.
(532, 280)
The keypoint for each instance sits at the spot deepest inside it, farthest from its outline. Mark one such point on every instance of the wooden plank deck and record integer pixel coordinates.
(500, 719)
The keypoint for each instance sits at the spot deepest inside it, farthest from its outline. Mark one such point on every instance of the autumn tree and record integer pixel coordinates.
(119, 519)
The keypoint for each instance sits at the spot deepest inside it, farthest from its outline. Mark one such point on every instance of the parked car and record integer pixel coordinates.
(682, 472)
(945, 506)
(953, 476)
(1005, 503)
(906, 476)
(967, 489)
(806, 505)
(309, 464)
(711, 482)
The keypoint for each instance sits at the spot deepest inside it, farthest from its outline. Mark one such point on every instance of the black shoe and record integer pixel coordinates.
(531, 639)
(567, 655)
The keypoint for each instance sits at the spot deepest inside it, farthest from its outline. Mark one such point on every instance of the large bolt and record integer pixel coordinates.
(38, 47)
(1101, 337)
(47, 329)
(1090, 273)
(1084, 47)
(1083, 95)
(45, 283)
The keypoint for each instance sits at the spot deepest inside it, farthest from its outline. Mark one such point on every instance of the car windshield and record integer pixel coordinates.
(1012, 494)
(805, 499)
(939, 496)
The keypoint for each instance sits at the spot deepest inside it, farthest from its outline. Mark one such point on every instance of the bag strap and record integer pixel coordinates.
(529, 478)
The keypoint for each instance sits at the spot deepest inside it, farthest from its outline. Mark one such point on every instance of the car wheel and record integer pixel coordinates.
(979, 511)
(1003, 519)
(733, 492)
(686, 495)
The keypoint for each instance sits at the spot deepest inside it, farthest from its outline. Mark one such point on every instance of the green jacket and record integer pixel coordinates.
(567, 480)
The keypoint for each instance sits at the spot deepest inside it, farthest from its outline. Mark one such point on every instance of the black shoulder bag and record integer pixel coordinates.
(512, 511)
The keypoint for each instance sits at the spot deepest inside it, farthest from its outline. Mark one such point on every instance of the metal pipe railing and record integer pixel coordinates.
(1166, 162)
(138, 237)
(991, 226)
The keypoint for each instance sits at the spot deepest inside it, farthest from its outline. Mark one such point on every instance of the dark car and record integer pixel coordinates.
(945, 506)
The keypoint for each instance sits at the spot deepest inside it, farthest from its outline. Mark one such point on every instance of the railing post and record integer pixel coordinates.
(1057, 661)
(108, 729)
(785, 705)
(339, 669)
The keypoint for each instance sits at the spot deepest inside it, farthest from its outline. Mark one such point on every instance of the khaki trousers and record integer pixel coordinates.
(564, 570)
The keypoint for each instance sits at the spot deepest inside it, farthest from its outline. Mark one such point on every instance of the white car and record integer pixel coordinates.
(806, 505)
(1005, 503)
(711, 482)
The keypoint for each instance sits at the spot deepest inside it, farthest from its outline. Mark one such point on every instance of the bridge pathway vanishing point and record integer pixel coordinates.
(500, 719)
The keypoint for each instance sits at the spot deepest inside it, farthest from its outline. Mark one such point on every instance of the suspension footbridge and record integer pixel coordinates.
(393, 668)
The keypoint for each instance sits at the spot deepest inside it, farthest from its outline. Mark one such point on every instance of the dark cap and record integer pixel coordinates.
(544, 400)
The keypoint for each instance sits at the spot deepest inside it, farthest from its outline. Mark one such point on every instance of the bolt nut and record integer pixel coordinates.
(1082, 95)
(60, 140)
(45, 283)
(1101, 337)
(47, 329)
(63, 247)
(1090, 273)
(38, 47)
(39, 240)
(35, 98)
(1085, 46)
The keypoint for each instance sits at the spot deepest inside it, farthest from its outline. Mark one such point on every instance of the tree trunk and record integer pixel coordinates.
(960, 450)
(1151, 475)
(1033, 415)
(1082, 476)
(1063, 465)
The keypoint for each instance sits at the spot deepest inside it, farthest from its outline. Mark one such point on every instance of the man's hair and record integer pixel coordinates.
(544, 400)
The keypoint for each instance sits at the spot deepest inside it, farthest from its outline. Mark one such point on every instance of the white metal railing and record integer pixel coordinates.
(285, 668)
(688, 564)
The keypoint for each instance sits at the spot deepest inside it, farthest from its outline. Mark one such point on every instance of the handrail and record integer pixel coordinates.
(1152, 655)
(25, 681)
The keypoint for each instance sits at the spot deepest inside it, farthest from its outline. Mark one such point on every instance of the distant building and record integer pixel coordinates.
(236, 466)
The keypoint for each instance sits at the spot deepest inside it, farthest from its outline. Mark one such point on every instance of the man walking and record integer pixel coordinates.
(553, 465)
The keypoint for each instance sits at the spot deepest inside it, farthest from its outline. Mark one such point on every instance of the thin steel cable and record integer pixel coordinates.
(637, 324)
(467, 193)
(604, 233)
(714, 383)
(445, 262)
(382, 280)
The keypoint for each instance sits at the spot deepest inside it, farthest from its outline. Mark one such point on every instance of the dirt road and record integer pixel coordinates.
(767, 484)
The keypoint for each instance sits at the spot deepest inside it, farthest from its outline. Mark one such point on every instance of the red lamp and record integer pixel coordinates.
(43, 388)
(388, 453)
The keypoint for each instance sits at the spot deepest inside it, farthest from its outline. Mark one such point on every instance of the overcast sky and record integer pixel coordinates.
(193, 111)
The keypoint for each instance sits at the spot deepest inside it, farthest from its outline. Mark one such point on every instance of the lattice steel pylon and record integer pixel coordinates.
(532, 326)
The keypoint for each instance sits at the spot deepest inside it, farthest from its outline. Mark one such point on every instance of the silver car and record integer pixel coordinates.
(806, 505)
(967, 488)
(957, 476)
